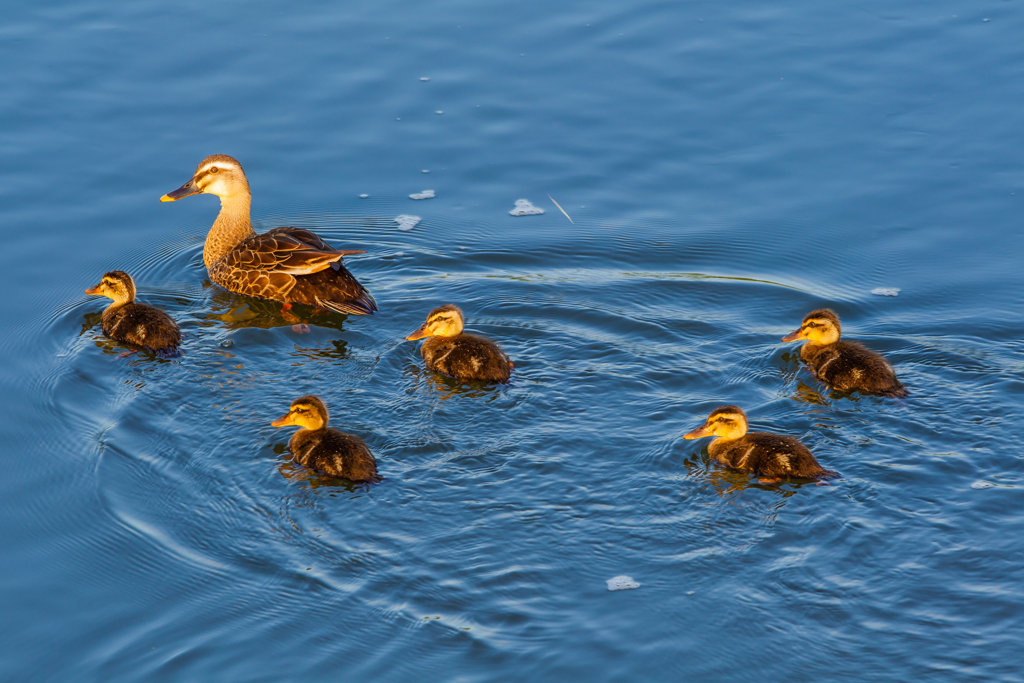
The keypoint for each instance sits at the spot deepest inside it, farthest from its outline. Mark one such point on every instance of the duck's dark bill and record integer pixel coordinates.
(185, 190)
(698, 433)
(418, 334)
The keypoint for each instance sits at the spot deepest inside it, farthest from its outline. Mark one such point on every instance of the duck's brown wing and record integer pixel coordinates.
(293, 265)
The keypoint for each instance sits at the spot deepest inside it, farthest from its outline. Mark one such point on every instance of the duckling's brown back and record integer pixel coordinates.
(848, 366)
(142, 325)
(768, 455)
(467, 356)
(334, 453)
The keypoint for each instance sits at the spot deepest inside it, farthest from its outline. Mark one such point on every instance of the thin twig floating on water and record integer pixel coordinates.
(560, 208)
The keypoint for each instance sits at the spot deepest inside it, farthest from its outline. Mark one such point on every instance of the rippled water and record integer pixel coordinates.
(727, 168)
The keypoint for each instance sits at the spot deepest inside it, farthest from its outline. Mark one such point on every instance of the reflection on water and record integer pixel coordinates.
(446, 388)
(727, 483)
(238, 312)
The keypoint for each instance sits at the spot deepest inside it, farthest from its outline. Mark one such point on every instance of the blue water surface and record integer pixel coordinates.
(727, 168)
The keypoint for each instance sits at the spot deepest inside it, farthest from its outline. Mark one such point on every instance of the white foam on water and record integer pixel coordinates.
(886, 291)
(426, 194)
(525, 208)
(363, 196)
(407, 222)
(982, 484)
(424, 79)
(621, 583)
(439, 112)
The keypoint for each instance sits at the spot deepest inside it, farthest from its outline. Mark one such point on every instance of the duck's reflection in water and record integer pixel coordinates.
(334, 349)
(445, 388)
(236, 312)
(808, 394)
(728, 484)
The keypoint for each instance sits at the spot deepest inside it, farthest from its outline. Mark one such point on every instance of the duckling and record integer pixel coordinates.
(844, 365)
(329, 451)
(771, 456)
(291, 265)
(125, 320)
(452, 352)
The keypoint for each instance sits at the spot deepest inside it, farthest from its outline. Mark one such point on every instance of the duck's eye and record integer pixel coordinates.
(214, 169)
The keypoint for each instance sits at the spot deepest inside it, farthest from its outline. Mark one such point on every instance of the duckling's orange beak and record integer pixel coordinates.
(284, 421)
(94, 290)
(699, 433)
(185, 190)
(794, 336)
(418, 334)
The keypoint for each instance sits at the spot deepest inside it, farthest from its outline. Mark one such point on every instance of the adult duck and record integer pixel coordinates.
(290, 265)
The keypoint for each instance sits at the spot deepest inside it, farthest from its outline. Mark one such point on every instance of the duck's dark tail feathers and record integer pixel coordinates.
(361, 305)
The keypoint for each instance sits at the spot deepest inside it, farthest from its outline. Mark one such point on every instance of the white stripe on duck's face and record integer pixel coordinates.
(226, 181)
(219, 165)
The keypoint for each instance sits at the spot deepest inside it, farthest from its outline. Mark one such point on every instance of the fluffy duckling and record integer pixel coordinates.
(317, 447)
(771, 456)
(844, 365)
(452, 352)
(291, 265)
(127, 321)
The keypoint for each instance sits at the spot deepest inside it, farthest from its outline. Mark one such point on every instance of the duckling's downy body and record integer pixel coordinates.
(130, 322)
(772, 456)
(452, 352)
(326, 450)
(843, 365)
(291, 265)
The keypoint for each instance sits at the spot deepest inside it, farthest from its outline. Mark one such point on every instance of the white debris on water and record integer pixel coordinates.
(621, 583)
(426, 194)
(886, 291)
(439, 112)
(982, 484)
(407, 222)
(424, 79)
(363, 196)
(525, 208)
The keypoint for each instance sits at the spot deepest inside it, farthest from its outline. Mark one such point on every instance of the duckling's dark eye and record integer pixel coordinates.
(214, 169)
